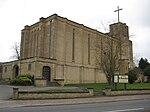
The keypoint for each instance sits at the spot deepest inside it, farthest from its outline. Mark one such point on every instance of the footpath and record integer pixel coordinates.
(54, 102)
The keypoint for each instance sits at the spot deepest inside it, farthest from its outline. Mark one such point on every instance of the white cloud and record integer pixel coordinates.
(15, 14)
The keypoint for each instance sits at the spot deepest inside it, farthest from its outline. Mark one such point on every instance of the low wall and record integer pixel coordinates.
(109, 92)
(32, 95)
(40, 82)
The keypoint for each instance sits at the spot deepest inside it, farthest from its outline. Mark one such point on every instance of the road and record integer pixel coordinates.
(122, 106)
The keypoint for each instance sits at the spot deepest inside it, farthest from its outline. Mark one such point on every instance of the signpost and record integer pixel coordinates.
(120, 79)
(121, 76)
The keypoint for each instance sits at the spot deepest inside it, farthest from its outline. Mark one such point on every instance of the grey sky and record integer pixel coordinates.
(15, 14)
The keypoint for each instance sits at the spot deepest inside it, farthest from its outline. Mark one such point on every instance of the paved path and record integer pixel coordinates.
(5, 92)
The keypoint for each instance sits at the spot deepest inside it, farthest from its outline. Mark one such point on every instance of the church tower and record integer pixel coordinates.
(120, 32)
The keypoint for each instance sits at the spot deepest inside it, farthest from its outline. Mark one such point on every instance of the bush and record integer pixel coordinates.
(147, 71)
(23, 80)
(148, 79)
(27, 76)
(132, 76)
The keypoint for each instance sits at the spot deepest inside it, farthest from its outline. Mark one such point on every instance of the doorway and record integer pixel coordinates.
(47, 73)
(15, 71)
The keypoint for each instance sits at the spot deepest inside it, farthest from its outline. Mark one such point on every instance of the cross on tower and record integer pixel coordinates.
(118, 12)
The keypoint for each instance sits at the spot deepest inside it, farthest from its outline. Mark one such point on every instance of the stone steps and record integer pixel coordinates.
(53, 84)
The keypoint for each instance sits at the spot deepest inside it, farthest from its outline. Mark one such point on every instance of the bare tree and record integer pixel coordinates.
(16, 51)
(107, 58)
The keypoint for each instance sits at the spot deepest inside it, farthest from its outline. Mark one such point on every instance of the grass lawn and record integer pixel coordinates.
(101, 86)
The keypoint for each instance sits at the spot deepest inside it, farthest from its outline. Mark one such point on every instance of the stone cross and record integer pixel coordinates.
(118, 12)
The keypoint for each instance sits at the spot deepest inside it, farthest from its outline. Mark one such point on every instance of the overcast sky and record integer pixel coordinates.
(97, 14)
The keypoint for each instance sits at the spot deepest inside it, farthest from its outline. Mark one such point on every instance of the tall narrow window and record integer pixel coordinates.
(1, 68)
(37, 43)
(31, 45)
(5, 69)
(34, 44)
(29, 67)
(88, 48)
(50, 36)
(22, 45)
(73, 46)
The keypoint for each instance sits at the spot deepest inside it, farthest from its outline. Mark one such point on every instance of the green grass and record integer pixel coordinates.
(95, 86)
(101, 86)
(139, 86)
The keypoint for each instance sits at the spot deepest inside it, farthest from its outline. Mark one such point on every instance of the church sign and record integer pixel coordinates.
(121, 79)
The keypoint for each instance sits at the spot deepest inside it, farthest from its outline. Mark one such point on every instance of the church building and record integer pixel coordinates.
(63, 51)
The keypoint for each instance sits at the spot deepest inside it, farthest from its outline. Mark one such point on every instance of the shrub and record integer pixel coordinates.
(132, 76)
(147, 71)
(148, 79)
(23, 80)
(27, 76)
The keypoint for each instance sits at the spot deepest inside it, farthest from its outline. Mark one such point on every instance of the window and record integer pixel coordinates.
(5, 69)
(73, 46)
(34, 43)
(88, 48)
(29, 66)
(1, 68)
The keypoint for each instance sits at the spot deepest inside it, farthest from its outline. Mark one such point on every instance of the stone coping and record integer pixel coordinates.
(109, 92)
(29, 95)
(32, 92)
